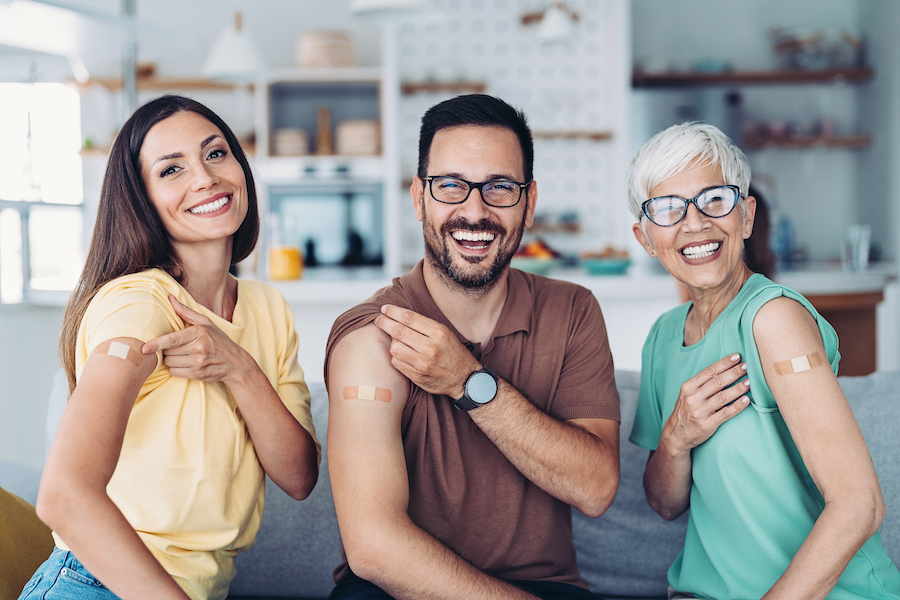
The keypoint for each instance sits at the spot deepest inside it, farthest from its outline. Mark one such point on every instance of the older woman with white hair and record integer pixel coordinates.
(740, 406)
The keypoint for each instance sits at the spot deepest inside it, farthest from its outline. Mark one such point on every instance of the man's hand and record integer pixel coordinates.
(426, 352)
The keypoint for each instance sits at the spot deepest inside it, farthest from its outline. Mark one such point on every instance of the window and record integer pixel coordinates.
(41, 190)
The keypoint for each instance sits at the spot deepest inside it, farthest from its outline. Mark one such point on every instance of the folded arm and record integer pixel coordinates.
(574, 461)
(825, 431)
(203, 352)
(370, 482)
(72, 498)
(704, 402)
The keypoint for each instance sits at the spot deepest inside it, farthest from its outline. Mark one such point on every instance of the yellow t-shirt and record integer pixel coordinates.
(188, 479)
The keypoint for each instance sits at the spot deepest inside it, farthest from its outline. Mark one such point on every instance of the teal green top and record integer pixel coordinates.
(752, 500)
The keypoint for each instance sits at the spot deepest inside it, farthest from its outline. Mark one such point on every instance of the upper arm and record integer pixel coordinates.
(92, 427)
(811, 401)
(366, 460)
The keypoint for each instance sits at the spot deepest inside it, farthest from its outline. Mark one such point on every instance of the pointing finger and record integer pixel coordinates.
(170, 340)
(189, 316)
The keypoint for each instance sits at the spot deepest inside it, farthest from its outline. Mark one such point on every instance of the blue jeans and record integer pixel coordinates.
(63, 577)
(354, 588)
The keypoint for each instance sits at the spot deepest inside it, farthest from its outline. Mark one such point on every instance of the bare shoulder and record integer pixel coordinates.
(783, 322)
(363, 358)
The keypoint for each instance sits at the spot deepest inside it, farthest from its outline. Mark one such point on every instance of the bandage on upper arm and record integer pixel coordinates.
(367, 392)
(120, 350)
(798, 364)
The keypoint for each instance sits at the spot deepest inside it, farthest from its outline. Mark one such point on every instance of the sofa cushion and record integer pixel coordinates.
(298, 545)
(875, 403)
(628, 550)
(25, 543)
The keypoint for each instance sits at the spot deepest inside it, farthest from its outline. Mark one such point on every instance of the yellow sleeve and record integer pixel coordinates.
(126, 308)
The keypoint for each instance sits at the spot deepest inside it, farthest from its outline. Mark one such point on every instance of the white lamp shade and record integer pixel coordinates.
(233, 56)
(386, 9)
(556, 25)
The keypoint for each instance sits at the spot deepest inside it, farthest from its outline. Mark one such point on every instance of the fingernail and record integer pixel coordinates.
(745, 400)
(384, 309)
(746, 383)
(735, 357)
(744, 367)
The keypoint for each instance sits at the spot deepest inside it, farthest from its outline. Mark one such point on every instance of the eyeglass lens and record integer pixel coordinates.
(715, 202)
(496, 193)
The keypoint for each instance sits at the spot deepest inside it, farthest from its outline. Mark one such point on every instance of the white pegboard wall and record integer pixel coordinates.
(563, 87)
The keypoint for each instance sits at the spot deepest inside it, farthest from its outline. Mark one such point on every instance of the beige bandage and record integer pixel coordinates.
(120, 350)
(367, 392)
(799, 364)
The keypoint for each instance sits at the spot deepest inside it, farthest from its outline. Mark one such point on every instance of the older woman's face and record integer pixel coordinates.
(701, 252)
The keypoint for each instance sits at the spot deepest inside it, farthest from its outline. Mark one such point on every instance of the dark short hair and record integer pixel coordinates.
(475, 109)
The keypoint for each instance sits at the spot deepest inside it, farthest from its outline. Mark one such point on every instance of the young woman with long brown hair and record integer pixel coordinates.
(184, 385)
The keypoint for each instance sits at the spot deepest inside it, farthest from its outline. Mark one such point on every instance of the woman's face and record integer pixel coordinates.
(702, 252)
(193, 179)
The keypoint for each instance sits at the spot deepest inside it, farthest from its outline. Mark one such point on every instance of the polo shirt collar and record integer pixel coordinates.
(517, 313)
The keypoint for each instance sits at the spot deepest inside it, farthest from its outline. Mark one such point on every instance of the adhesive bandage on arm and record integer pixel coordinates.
(367, 392)
(120, 350)
(799, 364)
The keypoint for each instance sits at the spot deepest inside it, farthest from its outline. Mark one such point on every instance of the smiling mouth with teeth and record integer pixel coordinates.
(701, 251)
(473, 240)
(212, 206)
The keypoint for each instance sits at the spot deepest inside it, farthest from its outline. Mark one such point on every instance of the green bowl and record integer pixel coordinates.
(537, 266)
(605, 266)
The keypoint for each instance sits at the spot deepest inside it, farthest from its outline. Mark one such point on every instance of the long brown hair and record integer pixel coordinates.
(129, 236)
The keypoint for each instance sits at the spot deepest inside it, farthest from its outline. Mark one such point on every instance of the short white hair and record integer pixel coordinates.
(672, 150)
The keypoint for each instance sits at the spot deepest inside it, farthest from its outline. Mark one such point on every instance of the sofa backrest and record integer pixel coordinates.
(626, 552)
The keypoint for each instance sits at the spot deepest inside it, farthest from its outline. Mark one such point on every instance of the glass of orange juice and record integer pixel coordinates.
(285, 263)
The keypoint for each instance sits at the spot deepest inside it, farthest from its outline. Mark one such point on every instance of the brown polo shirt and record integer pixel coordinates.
(550, 344)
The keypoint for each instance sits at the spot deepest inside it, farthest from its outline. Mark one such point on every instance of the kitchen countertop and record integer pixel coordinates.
(351, 286)
(334, 286)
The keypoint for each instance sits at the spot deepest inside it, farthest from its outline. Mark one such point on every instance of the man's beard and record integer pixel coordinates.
(437, 251)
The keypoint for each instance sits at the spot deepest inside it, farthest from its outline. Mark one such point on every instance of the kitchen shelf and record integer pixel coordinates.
(808, 141)
(596, 136)
(690, 79)
(431, 87)
(167, 83)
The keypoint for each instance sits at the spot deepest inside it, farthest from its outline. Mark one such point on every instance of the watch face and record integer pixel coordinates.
(481, 388)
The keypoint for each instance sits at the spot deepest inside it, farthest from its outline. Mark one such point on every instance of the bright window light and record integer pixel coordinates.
(11, 282)
(40, 125)
(41, 189)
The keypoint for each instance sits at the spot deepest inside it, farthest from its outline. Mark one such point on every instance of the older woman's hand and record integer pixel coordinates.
(707, 400)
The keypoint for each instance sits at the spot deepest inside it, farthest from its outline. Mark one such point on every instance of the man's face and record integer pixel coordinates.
(472, 243)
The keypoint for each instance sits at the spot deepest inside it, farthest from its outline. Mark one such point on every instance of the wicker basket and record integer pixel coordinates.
(358, 137)
(290, 141)
(325, 49)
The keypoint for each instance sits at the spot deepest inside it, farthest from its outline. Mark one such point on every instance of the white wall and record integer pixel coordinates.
(27, 366)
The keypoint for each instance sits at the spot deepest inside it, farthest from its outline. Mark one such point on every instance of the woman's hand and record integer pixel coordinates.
(201, 351)
(705, 402)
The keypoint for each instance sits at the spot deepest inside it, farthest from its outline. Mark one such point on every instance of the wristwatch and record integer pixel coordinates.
(480, 388)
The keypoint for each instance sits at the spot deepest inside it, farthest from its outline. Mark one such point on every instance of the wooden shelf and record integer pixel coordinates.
(432, 87)
(596, 136)
(808, 141)
(691, 79)
(167, 83)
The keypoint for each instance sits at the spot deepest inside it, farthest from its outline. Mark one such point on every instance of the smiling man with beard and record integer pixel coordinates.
(470, 404)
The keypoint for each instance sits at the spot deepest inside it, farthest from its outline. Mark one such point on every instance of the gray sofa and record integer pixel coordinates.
(623, 554)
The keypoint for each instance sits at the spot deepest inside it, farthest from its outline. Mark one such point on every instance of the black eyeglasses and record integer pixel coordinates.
(715, 202)
(500, 193)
